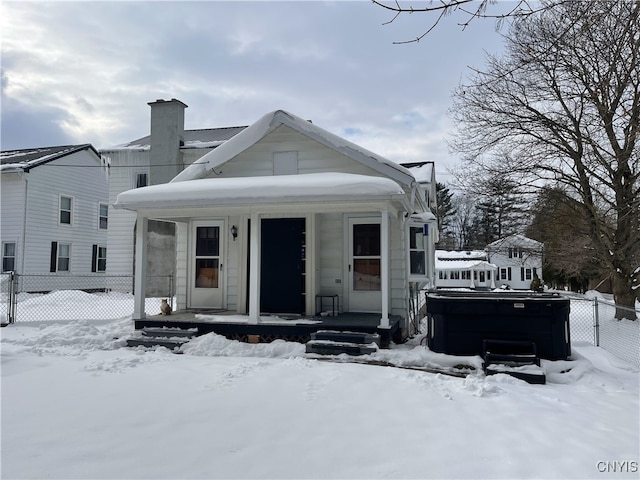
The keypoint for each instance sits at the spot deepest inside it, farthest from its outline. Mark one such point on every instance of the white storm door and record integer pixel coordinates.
(364, 269)
(207, 265)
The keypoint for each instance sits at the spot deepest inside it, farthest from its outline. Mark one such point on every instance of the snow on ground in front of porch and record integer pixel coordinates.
(77, 404)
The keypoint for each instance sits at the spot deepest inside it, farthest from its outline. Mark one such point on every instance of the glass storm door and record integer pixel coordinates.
(364, 268)
(207, 266)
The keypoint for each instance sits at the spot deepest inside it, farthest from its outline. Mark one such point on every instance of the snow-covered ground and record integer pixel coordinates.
(76, 403)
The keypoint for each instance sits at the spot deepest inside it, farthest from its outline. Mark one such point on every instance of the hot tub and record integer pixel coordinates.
(459, 322)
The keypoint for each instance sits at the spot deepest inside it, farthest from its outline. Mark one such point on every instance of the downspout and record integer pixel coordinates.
(24, 221)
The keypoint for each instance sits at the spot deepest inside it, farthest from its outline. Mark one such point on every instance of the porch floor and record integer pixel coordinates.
(287, 327)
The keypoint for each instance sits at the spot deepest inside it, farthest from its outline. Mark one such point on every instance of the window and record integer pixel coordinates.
(417, 251)
(66, 210)
(527, 274)
(142, 180)
(285, 163)
(99, 259)
(503, 274)
(455, 275)
(442, 275)
(60, 257)
(465, 275)
(8, 257)
(103, 216)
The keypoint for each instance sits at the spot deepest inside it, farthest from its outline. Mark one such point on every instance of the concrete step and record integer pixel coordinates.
(169, 332)
(328, 347)
(152, 342)
(362, 338)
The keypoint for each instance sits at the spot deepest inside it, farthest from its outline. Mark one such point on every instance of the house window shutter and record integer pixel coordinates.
(54, 257)
(509, 273)
(94, 258)
(522, 273)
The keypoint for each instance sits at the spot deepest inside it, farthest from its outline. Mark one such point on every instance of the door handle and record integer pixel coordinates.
(349, 267)
(221, 266)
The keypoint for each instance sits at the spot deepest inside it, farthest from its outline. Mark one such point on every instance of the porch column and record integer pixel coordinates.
(140, 278)
(254, 270)
(384, 268)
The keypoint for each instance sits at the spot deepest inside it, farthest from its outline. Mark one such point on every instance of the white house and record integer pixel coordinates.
(518, 259)
(54, 215)
(284, 213)
(464, 269)
(152, 160)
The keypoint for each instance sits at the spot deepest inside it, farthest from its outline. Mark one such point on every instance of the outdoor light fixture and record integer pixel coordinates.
(234, 232)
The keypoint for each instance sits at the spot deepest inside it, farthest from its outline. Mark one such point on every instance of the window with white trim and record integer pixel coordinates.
(99, 259)
(60, 257)
(465, 275)
(417, 250)
(142, 179)
(66, 210)
(8, 256)
(103, 216)
(455, 274)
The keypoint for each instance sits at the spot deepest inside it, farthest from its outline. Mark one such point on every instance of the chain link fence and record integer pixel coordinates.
(36, 298)
(620, 337)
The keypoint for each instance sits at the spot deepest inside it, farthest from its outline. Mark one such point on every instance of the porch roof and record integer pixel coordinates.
(264, 189)
(464, 265)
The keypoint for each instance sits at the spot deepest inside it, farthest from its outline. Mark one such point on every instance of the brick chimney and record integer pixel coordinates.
(167, 135)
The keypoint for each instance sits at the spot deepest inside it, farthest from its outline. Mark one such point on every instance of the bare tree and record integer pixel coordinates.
(562, 108)
(471, 10)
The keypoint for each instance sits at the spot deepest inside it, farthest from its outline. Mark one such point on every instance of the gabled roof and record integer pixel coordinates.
(422, 171)
(515, 240)
(267, 124)
(28, 158)
(202, 138)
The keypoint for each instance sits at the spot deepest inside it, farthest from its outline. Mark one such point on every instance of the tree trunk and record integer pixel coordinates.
(624, 297)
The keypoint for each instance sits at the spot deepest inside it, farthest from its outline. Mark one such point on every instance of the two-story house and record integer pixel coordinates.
(55, 216)
(518, 259)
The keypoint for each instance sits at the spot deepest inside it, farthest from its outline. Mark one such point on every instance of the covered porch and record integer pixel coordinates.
(296, 328)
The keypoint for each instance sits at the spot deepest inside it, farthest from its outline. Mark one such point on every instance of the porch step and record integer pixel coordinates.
(335, 342)
(329, 347)
(362, 338)
(171, 338)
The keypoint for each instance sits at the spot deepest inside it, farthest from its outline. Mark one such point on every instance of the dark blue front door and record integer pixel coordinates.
(282, 265)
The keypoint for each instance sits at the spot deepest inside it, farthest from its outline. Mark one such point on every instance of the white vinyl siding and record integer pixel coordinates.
(40, 193)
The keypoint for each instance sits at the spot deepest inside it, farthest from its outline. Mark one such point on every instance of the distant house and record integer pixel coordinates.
(518, 259)
(464, 269)
(54, 216)
(152, 160)
(284, 214)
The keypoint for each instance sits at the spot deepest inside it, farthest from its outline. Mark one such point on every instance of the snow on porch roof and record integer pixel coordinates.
(255, 190)
(268, 123)
(464, 265)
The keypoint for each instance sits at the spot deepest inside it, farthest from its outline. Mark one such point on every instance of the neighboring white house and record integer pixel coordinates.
(464, 269)
(518, 259)
(152, 160)
(286, 211)
(54, 216)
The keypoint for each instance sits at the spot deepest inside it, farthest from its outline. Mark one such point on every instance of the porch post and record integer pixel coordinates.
(384, 268)
(254, 270)
(140, 278)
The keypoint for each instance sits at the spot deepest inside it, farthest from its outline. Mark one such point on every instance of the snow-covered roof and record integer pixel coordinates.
(28, 158)
(464, 265)
(201, 138)
(516, 240)
(263, 189)
(267, 124)
(450, 255)
(422, 171)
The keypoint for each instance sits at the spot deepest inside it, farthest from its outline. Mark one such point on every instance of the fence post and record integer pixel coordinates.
(12, 298)
(596, 322)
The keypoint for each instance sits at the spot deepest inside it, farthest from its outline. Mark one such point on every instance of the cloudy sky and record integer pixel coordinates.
(83, 72)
